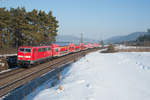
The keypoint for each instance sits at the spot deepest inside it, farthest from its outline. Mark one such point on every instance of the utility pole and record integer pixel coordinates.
(81, 38)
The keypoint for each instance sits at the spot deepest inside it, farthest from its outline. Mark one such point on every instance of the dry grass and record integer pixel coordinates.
(60, 88)
(8, 51)
(135, 50)
(3, 63)
(110, 49)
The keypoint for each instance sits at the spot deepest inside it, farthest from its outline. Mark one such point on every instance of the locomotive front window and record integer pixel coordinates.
(28, 50)
(21, 49)
(24, 49)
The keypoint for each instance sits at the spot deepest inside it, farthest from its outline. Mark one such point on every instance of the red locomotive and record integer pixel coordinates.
(28, 55)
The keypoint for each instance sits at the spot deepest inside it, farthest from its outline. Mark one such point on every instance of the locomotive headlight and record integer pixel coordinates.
(28, 56)
(20, 56)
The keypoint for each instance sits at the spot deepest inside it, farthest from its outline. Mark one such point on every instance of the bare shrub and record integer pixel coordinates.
(60, 87)
(3, 63)
(110, 49)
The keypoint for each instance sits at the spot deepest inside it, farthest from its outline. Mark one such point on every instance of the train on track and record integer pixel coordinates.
(30, 55)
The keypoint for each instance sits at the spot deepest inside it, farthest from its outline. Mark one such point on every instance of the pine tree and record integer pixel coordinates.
(4, 26)
(18, 27)
(53, 25)
(148, 30)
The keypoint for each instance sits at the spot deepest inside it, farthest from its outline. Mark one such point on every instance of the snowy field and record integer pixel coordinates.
(111, 76)
(5, 55)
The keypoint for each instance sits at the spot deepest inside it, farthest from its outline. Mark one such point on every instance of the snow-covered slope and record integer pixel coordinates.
(97, 76)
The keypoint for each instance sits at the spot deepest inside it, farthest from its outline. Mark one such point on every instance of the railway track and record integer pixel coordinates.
(11, 72)
(11, 80)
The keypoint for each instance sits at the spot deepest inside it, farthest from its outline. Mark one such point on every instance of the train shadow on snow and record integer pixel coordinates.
(31, 89)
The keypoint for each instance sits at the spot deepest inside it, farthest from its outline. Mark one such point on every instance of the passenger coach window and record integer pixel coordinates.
(56, 50)
(38, 50)
(43, 49)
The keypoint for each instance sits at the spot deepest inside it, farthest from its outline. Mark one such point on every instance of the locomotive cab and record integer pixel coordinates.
(24, 55)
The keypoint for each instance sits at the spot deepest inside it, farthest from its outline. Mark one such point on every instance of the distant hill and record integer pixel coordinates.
(129, 37)
(70, 38)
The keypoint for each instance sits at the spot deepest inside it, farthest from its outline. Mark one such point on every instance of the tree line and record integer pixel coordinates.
(19, 27)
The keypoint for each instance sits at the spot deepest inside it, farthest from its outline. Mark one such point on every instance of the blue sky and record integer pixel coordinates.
(96, 19)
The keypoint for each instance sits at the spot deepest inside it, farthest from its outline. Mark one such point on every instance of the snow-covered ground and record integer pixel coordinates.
(97, 76)
(5, 55)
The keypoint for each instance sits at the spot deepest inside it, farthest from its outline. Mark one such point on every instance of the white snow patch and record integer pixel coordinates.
(5, 55)
(80, 81)
(112, 76)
